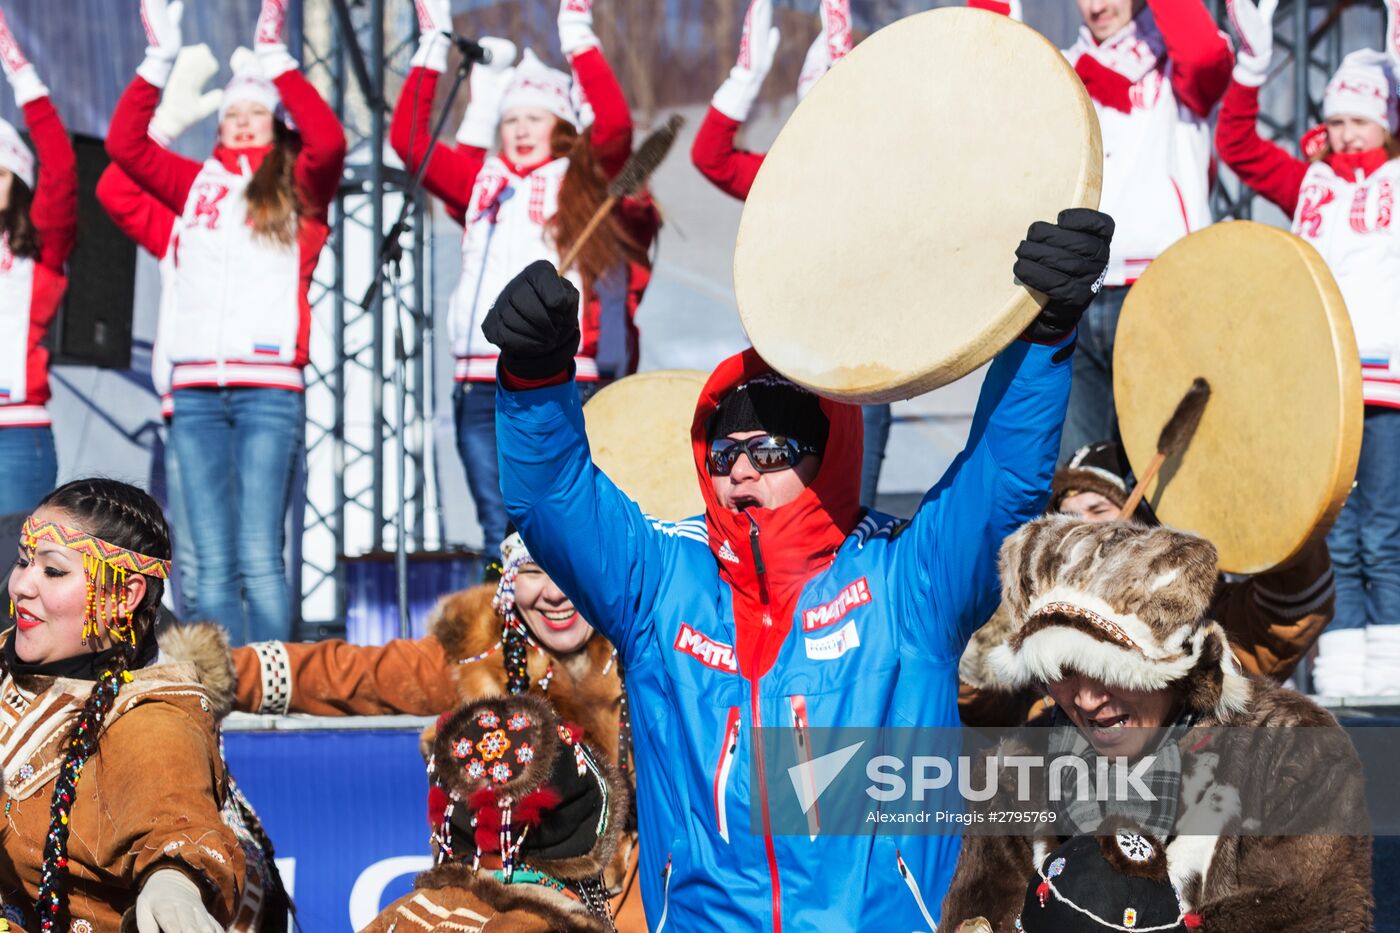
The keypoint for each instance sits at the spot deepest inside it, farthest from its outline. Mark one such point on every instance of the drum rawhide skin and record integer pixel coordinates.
(1254, 311)
(874, 254)
(639, 433)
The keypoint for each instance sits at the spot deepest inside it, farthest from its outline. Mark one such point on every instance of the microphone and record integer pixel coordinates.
(471, 50)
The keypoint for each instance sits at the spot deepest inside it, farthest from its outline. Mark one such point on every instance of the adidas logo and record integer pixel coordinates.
(727, 553)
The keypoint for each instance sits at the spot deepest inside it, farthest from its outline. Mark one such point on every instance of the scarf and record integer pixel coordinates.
(88, 666)
(1110, 69)
(1081, 814)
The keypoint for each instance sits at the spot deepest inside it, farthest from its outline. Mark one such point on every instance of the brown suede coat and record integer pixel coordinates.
(432, 675)
(450, 899)
(148, 799)
(1237, 884)
(1272, 620)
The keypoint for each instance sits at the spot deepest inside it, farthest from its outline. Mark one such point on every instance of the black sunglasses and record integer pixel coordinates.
(768, 453)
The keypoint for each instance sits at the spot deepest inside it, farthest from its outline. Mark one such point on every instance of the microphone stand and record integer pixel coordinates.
(390, 259)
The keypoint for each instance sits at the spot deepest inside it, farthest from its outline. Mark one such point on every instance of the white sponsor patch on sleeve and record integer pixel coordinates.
(830, 647)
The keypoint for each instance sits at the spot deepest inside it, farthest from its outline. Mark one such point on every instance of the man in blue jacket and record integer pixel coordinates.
(782, 605)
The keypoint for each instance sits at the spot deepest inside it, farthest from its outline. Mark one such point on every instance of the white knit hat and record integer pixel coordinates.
(537, 85)
(15, 155)
(1364, 86)
(248, 84)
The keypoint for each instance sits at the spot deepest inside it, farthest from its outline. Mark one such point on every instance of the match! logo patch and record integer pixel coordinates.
(857, 594)
(708, 652)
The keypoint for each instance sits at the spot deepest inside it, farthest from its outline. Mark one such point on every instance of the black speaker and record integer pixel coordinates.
(93, 327)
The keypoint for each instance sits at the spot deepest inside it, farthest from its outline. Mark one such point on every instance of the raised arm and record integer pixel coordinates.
(611, 138)
(1199, 53)
(164, 174)
(729, 168)
(948, 556)
(322, 155)
(1273, 619)
(136, 213)
(451, 172)
(54, 210)
(581, 529)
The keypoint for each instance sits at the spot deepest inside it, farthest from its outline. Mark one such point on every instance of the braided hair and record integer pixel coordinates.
(123, 515)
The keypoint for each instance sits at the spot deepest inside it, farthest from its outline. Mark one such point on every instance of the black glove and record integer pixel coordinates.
(534, 322)
(1066, 261)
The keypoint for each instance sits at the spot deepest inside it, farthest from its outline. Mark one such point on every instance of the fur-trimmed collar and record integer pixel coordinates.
(561, 912)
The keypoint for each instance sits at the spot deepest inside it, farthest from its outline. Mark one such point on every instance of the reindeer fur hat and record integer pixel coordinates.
(1119, 602)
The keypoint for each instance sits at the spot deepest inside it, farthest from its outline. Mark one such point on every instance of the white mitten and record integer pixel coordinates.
(757, 48)
(170, 902)
(434, 30)
(185, 102)
(576, 26)
(24, 80)
(488, 88)
(268, 42)
(162, 23)
(831, 45)
(1255, 26)
(1392, 33)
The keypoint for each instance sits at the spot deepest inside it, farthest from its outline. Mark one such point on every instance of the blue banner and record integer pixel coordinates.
(347, 812)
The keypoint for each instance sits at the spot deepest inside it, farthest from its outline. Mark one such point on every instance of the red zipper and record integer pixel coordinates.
(755, 708)
(726, 761)
(803, 738)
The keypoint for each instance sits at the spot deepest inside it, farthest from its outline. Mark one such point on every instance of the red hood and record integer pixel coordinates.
(797, 540)
(229, 157)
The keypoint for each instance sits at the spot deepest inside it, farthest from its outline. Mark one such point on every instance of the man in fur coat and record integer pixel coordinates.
(1272, 619)
(1112, 620)
(490, 640)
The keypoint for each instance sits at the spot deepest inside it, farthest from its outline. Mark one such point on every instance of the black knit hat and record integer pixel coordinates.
(1117, 881)
(772, 404)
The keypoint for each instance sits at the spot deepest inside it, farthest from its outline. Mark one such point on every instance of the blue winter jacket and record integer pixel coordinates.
(868, 617)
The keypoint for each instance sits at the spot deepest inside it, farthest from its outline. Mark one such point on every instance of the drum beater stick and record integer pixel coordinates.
(1175, 436)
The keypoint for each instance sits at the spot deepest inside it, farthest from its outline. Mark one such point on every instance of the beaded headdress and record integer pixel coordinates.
(105, 565)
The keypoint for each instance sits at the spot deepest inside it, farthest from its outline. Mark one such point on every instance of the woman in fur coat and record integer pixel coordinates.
(1112, 619)
(522, 635)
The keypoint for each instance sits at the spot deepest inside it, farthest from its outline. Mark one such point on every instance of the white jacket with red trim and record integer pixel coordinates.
(1154, 85)
(506, 230)
(1352, 222)
(32, 287)
(242, 315)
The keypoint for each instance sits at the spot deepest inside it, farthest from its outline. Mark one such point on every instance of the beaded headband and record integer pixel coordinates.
(105, 566)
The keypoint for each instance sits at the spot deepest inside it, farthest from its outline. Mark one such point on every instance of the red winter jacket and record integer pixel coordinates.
(170, 177)
(452, 171)
(732, 170)
(28, 314)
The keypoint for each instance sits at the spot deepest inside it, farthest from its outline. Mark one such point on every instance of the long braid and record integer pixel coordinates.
(278, 904)
(515, 655)
(127, 517)
(81, 744)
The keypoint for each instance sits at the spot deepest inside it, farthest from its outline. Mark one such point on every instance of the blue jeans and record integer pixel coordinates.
(30, 468)
(877, 432)
(185, 571)
(1365, 541)
(1091, 416)
(474, 405)
(237, 451)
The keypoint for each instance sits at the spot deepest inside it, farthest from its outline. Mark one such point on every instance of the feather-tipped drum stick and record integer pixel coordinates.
(1176, 434)
(635, 172)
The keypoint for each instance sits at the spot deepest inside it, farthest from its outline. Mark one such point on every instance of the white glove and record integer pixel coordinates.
(24, 80)
(169, 902)
(576, 26)
(1255, 27)
(185, 102)
(434, 27)
(242, 57)
(757, 48)
(488, 89)
(268, 42)
(162, 23)
(831, 45)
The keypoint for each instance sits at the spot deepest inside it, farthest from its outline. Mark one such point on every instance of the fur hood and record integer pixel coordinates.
(205, 646)
(586, 692)
(1119, 602)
